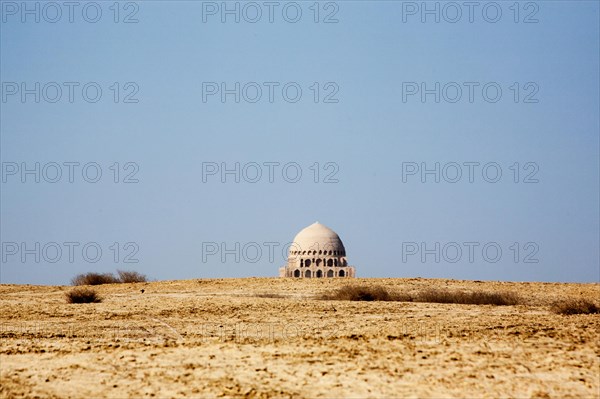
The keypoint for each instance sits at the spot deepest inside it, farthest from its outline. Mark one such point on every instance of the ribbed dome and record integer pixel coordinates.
(317, 237)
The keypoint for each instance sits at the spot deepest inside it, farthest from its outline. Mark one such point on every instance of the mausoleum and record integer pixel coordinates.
(317, 252)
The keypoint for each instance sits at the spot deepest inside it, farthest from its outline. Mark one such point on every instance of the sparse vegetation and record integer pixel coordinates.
(94, 279)
(108, 278)
(359, 293)
(468, 298)
(82, 295)
(575, 306)
(269, 295)
(379, 293)
(131, 277)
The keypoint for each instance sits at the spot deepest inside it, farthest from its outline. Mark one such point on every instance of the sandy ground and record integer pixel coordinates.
(263, 337)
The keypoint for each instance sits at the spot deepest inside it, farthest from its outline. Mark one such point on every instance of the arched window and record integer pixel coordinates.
(330, 273)
(307, 274)
(330, 252)
(320, 252)
(342, 274)
(296, 273)
(330, 262)
(307, 263)
(318, 262)
(301, 262)
(335, 262)
(319, 273)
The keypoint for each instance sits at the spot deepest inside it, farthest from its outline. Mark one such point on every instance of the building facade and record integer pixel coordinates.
(317, 252)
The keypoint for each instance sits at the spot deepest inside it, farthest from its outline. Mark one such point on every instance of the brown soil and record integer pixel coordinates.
(263, 337)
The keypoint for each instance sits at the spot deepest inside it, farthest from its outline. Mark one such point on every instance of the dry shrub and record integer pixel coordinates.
(379, 293)
(108, 278)
(359, 293)
(94, 279)
(269, 295)
(435, 295)
(82, 295)
(131, 277)
(575, 306)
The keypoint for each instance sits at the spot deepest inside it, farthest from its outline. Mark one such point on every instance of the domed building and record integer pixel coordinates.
(317, 252)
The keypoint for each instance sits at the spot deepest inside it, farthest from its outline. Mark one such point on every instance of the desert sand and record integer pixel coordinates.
(269, 337)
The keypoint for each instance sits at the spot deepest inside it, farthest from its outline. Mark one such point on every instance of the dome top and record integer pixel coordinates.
(317, 237)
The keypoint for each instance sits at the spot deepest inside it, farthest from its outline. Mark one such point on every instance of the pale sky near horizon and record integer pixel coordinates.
(162, 130)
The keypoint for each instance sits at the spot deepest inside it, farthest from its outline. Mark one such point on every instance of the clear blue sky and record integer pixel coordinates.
(371, 134)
